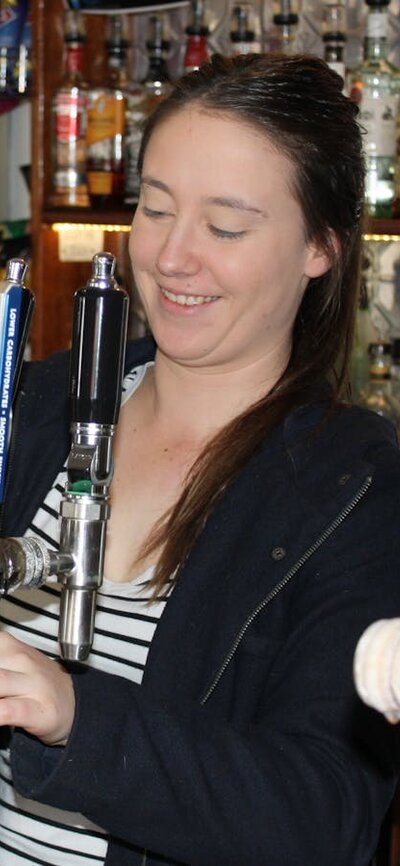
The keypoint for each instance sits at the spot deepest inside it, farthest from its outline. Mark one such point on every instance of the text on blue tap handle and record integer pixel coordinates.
(10, 312)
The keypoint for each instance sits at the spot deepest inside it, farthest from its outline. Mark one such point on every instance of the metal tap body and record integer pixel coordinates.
(96, 369)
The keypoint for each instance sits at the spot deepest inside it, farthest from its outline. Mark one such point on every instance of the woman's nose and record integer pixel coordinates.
(178, 253)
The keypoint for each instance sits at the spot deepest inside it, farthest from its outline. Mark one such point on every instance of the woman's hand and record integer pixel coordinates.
(36, 693)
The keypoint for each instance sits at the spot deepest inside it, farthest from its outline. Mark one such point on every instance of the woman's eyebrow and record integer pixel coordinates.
(157, 184)
(220, 201)
(234, 203)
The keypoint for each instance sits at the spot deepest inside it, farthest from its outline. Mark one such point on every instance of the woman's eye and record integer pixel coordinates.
(224, 233)
(152, 213)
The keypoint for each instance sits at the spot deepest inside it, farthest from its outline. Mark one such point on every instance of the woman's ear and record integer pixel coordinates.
(321, 258)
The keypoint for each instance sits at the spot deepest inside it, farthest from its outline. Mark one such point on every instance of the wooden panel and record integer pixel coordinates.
(52, 320)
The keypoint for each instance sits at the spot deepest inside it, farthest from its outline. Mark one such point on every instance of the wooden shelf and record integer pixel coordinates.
(383, 227)
(120, 216)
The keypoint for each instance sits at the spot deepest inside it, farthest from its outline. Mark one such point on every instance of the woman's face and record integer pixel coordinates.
(218, 245)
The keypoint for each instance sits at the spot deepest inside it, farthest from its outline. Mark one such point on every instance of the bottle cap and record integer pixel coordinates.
(334, 36)
(285, 18)
(74, 28)
(116, 39)
(197, 30)
(377, 3)
(244, 36)
(379, 348)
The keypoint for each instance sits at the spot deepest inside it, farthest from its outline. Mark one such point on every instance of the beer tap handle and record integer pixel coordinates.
(96, 371)
(16, 307)
(98, 345)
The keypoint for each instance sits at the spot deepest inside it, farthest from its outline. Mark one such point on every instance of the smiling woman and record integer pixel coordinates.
(219, 248)
(254, 515)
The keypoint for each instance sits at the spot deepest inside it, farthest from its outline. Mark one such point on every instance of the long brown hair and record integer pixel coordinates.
(297, 102)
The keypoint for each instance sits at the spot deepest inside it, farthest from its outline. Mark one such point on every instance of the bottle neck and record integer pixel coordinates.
(333, 50)
(196, 51)
(157, 70)
(117, 68)
(376, 44)
(74, 59)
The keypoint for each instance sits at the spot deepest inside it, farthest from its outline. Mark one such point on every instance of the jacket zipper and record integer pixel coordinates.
(325, 534)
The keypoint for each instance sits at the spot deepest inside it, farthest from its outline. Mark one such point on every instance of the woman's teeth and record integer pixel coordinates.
(188, 300)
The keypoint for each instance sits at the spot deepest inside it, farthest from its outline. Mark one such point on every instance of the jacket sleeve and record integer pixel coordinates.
(306, 779)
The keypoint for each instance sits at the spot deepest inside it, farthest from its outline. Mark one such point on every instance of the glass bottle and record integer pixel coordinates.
(142, 100)
(23, 67)
(374, 86)
(69, 119)
(364, 334)
(285, 25)
(197, 33)
(334, 37)
(379, 397)
(106, 124)
(12, 19)
(157, 82)
(242, 32)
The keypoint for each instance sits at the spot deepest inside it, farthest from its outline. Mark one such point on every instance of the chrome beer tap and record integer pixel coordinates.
(96, 370)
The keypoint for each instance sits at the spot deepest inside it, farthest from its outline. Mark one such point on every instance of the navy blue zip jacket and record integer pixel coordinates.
(246, 744)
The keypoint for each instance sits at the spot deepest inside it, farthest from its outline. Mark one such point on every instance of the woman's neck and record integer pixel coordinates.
(201, 401)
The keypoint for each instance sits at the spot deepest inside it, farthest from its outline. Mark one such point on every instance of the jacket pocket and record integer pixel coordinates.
(253, 661)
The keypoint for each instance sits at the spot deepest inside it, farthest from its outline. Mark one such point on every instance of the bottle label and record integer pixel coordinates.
(106, 118)
(132, 147)
(245, 48)
(337, 66)
(378, 117)
(196, 52)
(70, 115)
(75, 57)
(100, 182)
(69, 178)
(377, 25)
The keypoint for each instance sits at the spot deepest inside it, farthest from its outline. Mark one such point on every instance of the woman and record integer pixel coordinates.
(254, 512)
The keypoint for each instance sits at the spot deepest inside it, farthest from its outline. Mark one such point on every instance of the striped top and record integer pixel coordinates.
(31, 833)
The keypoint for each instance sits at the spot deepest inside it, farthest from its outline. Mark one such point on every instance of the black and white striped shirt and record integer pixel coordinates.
(31, 833)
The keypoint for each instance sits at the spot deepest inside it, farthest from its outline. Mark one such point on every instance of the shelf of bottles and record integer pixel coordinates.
(94, 124)
(109, 58)
(93, 160)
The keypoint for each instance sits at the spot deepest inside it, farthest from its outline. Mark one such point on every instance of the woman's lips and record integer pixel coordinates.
(187, 300)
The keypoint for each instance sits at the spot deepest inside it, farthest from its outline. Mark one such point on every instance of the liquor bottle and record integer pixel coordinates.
(69, 118)
(157, 82)
(379, 395)
(106, 124)
(12, 19)
(242, 32)
(285, 25)
(23, 68)
(141, 102)
(197, 33)
(334, 36)
(375, 87)
(365, 334)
